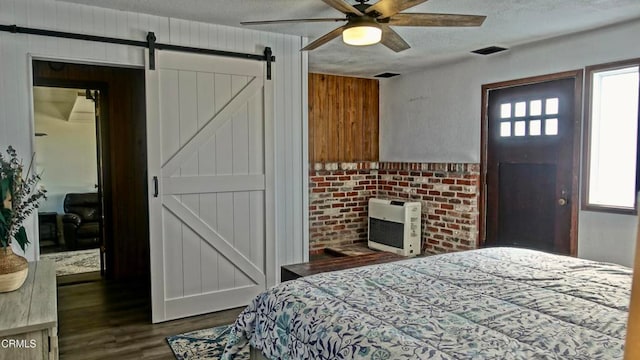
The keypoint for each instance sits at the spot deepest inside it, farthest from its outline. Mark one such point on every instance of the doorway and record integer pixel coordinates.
(530, 162)
(67, 157)
(121, 157)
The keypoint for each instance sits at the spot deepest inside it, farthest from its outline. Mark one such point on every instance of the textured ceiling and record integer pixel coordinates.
(63, 104)
(508, 23)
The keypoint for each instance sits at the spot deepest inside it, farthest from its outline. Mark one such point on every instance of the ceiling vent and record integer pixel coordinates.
(489, 50)
(386, 75)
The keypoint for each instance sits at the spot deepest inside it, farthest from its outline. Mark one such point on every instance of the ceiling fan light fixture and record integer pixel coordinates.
(362, 31)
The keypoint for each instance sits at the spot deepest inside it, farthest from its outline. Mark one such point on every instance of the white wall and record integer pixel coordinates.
(607, 237)
(290, 71)
(66, 157)
(434, 115)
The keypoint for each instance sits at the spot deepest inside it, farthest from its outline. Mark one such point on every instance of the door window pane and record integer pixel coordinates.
(520, 128)
(505, 129)
(535, 107)
(551, 107)
(521, 109)
(551, 127)
(535, 127)
(505, 111)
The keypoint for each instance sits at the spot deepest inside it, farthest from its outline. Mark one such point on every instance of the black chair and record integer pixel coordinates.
(81, 221)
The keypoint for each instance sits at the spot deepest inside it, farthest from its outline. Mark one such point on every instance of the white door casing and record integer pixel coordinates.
(210, 147)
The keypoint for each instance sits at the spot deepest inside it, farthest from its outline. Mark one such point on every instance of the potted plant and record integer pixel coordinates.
(19, 197)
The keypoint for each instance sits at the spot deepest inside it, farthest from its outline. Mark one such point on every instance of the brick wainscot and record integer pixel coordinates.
(338, 203)
(449, 192)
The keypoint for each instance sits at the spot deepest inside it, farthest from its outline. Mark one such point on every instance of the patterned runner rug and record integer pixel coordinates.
(203, 344)
(75, 262)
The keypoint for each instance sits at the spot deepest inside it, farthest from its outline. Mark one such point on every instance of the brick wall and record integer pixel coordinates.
(338, 203)
(339, 194)
(449, 194)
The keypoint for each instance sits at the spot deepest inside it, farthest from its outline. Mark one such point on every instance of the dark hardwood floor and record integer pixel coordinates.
(112, 320)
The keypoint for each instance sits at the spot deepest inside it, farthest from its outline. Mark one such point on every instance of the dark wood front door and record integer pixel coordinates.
(530, 165)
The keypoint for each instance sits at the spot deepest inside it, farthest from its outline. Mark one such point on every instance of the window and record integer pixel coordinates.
(521, 120)
(611, 117)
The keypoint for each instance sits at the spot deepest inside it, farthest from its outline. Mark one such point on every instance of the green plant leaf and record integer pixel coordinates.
(5, 217)
(21, 238)
(4, 236)
(5, 188)
(24, 193)
(5, 221)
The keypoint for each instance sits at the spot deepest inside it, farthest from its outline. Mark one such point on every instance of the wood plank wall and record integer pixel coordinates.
(343, 119)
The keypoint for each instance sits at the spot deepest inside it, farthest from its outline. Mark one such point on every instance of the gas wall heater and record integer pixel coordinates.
(394, 226)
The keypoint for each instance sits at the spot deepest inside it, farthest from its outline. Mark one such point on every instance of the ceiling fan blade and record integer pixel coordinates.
(387, 8)
(436, 20)
(392, 40)
(324, 39)
(264, 22)
(343, 6)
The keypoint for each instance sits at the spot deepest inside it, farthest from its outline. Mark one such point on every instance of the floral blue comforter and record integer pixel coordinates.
(496, 303)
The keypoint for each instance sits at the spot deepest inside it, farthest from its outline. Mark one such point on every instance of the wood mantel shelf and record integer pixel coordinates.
(294, 271)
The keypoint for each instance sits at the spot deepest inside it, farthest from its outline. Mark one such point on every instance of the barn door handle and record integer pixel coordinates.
(155, 186)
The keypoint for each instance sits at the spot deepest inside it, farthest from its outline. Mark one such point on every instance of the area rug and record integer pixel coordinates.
(203, 344)
(75, 262)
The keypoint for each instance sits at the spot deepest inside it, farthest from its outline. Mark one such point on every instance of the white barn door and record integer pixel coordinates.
(210, 146)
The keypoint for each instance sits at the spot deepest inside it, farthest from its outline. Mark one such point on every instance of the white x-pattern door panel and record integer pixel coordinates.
(210, 161)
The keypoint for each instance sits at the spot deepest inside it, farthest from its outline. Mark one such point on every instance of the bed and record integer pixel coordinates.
(494, 303)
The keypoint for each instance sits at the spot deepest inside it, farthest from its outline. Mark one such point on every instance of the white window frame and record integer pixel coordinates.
(587, 145)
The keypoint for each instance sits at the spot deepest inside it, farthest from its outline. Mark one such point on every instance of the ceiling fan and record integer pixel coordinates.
(371, 24)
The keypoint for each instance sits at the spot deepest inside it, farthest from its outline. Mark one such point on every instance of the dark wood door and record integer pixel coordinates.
(530, 165)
